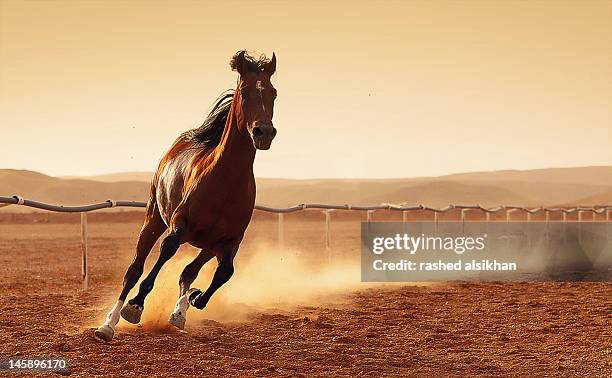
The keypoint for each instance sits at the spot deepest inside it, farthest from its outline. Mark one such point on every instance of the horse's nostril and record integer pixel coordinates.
(257, 131)
(273, 132)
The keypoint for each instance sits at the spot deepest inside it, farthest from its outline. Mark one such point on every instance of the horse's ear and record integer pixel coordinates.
(270, 67)
(239, 63)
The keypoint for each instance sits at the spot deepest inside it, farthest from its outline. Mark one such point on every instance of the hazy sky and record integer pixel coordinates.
(366, 89)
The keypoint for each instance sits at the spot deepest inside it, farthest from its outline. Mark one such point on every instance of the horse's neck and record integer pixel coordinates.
(236, 153)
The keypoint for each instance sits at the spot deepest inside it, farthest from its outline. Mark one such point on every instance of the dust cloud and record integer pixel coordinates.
(266, 278)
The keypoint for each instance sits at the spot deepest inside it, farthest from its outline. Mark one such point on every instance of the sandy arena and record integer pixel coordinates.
(286, 312)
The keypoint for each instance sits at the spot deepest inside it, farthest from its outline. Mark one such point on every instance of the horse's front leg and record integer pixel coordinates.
(190, 273)
(225, 256)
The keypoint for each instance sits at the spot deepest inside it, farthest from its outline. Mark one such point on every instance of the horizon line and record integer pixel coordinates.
(325, 178)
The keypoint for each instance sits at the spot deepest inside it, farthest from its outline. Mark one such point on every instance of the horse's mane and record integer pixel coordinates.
(209, 134)
(252, 63)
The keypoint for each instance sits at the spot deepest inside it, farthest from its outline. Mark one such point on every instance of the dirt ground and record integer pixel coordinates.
(284, 315)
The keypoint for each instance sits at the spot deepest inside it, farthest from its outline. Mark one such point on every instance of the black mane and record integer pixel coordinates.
(209, 134)
(251, 63)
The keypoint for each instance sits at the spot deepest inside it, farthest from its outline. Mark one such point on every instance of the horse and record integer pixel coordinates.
(203, 193)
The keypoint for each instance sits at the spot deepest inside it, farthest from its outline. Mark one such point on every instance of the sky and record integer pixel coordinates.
(365, 89)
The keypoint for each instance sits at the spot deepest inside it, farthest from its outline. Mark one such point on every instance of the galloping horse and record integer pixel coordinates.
(203, 193)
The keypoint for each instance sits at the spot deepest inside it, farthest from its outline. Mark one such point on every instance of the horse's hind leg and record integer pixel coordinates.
(133, 309)
(190, 273)
(152, 229)
(224, 272)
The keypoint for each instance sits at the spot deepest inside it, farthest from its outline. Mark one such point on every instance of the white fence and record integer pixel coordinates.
(327, 209)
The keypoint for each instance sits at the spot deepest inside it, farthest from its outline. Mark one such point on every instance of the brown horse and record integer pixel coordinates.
(203, 193)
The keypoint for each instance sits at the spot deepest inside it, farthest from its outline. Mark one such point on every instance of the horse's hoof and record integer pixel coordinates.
(196, 299)
(177, 320)
(105, 332)
(131, 313)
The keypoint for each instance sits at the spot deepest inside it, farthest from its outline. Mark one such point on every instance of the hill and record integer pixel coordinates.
(40, 187)
(548, 187)
(118, 177)
(603, 198)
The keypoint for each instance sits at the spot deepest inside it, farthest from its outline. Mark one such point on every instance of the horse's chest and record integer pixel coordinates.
(221, 216)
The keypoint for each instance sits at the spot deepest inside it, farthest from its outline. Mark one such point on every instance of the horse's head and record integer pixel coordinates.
(255, 97)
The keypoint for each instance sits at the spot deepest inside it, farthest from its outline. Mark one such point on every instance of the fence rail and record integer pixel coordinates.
(326, 208)
(17, 200)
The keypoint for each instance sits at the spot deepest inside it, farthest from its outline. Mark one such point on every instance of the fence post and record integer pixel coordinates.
(84, 268)
(328, 235)
(580, 212)
(405, 221)
(529, 233)
(281, 230)
(564, 226)
(487, 220)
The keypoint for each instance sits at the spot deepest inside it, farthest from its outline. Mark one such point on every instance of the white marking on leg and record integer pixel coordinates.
(182, 305)
(179, 315)
(113, 316)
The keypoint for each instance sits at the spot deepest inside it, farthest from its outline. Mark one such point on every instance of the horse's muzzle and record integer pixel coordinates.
(263, 135)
